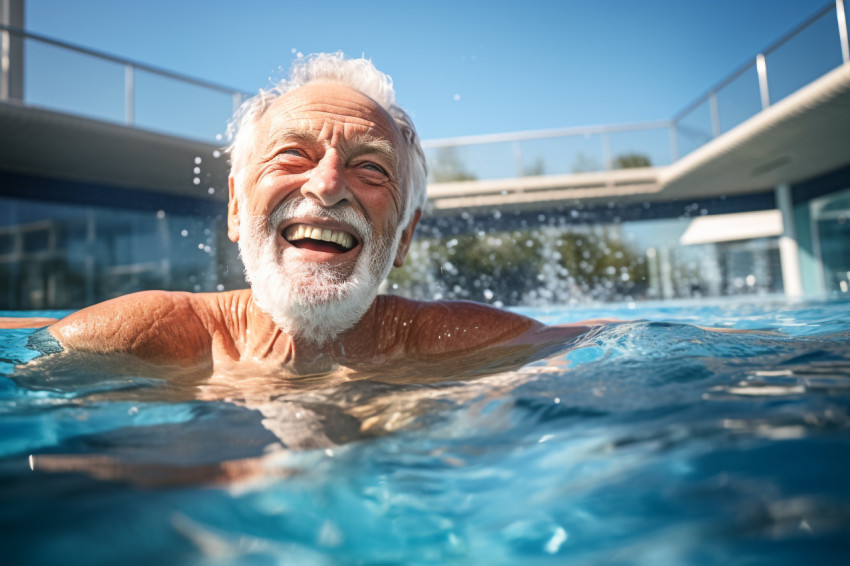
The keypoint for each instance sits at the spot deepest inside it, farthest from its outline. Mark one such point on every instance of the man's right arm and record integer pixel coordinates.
(157, 327)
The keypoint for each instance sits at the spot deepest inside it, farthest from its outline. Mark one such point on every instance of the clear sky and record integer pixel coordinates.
(460, 67)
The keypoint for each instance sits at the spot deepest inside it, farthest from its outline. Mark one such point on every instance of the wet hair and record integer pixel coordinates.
(359, 74)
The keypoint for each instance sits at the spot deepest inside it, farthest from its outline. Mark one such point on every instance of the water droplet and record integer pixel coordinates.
(217, 153)
(456, 97)
(211, 190)
(196, 181)
(160, 214)
(184, 233)
(196, 170)
(197, 160)
(219, 287)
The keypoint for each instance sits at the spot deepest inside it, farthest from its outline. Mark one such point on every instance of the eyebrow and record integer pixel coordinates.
(364, 144)
(361, 144)
(303, 136)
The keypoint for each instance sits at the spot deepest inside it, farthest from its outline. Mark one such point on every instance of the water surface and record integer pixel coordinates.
(655, 442)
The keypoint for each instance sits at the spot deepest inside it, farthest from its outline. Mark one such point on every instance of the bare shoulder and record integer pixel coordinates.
(446, 329)
(460, 326)
(159, 326)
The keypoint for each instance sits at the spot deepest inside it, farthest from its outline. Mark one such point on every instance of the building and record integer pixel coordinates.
(105, 190)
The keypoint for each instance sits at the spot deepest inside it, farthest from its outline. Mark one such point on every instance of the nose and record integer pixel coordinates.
(327, 185)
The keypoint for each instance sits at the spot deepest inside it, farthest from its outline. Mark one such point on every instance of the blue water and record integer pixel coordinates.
(657, 442)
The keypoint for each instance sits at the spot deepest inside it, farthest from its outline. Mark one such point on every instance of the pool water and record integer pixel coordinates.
(655, 442)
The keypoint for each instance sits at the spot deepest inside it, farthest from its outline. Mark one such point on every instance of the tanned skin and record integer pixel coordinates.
(325, 142)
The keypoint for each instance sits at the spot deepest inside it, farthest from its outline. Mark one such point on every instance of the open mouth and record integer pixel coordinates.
(314, 238)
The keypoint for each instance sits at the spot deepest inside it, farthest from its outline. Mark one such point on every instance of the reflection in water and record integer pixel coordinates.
(653, 442)
(267, 416)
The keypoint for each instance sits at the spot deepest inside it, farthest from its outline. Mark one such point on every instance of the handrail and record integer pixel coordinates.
(122, 61)
(752, 61)
(672, 124)
(543, 134)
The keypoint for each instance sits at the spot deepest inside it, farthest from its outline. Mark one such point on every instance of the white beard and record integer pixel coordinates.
(312, 301)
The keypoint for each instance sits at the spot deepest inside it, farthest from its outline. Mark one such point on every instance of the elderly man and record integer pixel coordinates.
(326, 187)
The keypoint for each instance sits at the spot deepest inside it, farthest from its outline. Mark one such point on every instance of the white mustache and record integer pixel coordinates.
(305, 208)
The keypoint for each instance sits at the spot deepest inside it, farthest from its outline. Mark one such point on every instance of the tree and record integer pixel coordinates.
(447, 167)
(630, 161)
(585, 163)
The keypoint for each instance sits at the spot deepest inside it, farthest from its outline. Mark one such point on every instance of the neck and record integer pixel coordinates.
(293, 356)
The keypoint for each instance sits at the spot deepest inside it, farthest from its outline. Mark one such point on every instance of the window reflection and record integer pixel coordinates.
(58, 256)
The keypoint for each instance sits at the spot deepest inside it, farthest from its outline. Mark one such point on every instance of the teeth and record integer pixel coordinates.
(302, 231)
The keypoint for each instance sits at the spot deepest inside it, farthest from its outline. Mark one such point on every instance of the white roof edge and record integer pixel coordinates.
(732, 227)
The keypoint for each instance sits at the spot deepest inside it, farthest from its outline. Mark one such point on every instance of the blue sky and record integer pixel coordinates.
(460, 68)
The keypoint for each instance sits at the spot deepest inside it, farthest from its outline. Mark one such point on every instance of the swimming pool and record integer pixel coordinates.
(655, 443)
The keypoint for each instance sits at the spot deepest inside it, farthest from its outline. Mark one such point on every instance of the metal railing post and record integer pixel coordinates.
(674, 142)
(842, 30)
(761, 69)
(517, 151)
(715, 114)
(606, 151)
(129, 94)
(5, 79)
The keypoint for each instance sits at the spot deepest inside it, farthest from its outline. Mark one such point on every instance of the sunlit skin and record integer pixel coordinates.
(332, 145)
(328, 143)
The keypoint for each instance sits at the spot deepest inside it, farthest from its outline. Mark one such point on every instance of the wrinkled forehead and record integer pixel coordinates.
(329, 110)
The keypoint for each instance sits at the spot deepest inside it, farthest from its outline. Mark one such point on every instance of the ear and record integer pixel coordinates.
(406, 238)
(232, 211)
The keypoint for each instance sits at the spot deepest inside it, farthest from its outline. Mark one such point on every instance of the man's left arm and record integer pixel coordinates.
(25, 322)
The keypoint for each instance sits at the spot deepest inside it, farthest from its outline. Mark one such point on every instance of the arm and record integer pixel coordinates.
(458, 340)
(23, 322)
(154, 326)
(447, 328)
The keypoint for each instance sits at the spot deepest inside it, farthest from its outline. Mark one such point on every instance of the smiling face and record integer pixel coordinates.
(316, 208)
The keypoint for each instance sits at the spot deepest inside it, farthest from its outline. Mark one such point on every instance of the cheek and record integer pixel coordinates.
(270, 190)
(383, 211)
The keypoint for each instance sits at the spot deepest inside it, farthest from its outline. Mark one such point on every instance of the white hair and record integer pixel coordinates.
(359, 74)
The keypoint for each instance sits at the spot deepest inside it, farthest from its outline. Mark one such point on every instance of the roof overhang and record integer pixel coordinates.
(44, 143)
(732, 227)
(800, 137)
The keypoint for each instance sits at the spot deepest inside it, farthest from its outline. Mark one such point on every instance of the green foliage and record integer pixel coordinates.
(517, 267)
(630, 161)
(447, 167)
(585, 163)
(538, 167)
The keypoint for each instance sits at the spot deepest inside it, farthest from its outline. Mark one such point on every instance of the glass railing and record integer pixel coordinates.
(549, 152)
(76, 80)
(809, 51)
(72, 79)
